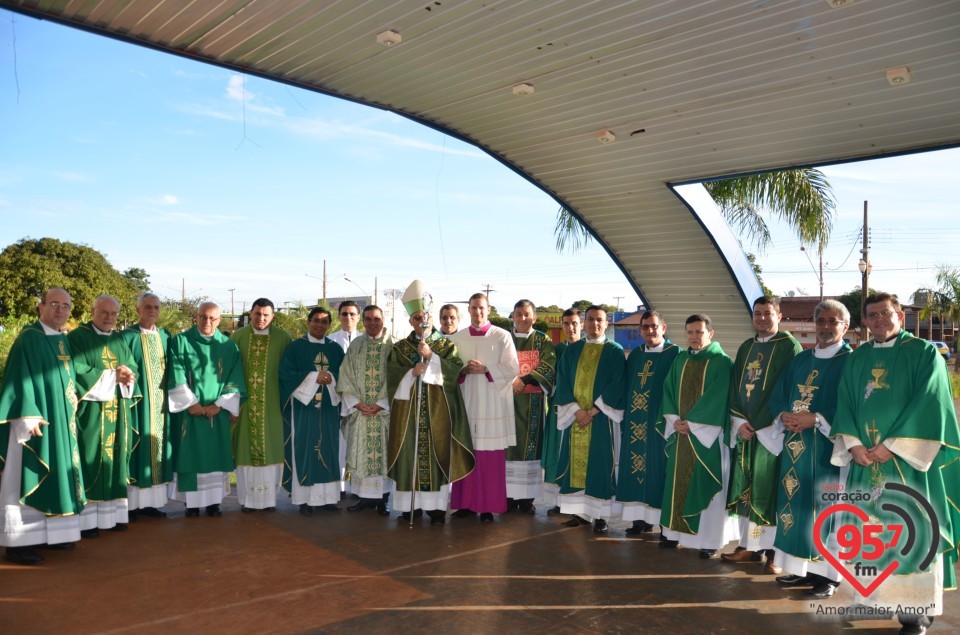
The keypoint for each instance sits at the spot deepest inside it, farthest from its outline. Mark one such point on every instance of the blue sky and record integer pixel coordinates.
(226, 181)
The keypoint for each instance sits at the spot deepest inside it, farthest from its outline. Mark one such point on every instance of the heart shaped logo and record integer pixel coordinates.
(835, 562)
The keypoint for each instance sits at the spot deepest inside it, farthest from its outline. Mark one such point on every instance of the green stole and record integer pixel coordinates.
(696, 389)
(903, 392)
(753, 469)
(151, 456)
(808, 384)
(642, 449)
(550, 456)
(529, 408)
(257, 436)
(439, 430)
(106, 428)
(40, 381)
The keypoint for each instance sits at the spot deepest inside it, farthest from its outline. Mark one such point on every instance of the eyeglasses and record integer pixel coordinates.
(876, 315)
(56, 306)
(828, 322)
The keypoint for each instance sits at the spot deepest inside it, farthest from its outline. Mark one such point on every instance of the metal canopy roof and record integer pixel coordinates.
(690, 90)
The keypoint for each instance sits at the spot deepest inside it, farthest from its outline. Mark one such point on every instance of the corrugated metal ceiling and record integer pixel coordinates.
(691, 90)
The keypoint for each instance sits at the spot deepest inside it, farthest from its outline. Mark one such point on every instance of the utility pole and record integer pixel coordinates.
(618, 298)
(488, 291)
(233, 316)
(376, 295)
(393, 295)
(324, 282)
(864, 267)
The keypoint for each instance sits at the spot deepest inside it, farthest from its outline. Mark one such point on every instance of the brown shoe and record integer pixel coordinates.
(743, 555)
(770, 568)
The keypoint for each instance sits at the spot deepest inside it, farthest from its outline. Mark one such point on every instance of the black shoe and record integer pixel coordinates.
(60, 546)
(600, 526)
(23, 555)
(512, 505)
(382, 506)
(437, 516)
(914, 624)
(462, 513)
(193, 512)
(573, 522)
(822, 591)
(90, 533)
(246, 510)
(119, 527)
(553, 511)
(151, 512)
(330, 507)
(527, 507)
(486, 517)
(362, 504)
(794, 580)
(132, 515)
(306, 510)
(668, 544)
(404, 516)
(706, 554)
(639, 527)
(213, 510)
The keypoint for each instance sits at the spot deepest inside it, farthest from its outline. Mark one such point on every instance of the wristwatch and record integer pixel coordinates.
(816, 420)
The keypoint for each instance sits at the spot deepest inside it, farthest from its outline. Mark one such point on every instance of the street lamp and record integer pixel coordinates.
(369, 297)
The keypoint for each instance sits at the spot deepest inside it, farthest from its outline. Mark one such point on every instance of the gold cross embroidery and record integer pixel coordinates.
(646, 373)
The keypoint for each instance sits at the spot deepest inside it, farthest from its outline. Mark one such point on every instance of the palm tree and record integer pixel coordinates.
(802, 198)
(944, 302)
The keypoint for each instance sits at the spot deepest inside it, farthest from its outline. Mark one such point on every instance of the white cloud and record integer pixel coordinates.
(169, 199)
(237, 91)
(72, 177)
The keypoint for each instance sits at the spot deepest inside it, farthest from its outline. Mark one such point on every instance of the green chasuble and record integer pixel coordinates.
(902, 393)
(209, 367)
(437, 437)
(363, 376)
(753, 469)
(152, 453)
(106, 430)
(40, 381)
(808, 384)
(550, 459)
(538, 368)
(258, 433)
(697, 389)
(315, 444)
(642, 456)
(588, 372)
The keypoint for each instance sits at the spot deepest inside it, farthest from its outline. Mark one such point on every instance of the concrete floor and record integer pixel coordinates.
(280, 572)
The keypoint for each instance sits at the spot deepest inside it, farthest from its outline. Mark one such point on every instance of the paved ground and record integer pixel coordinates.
(281, 572)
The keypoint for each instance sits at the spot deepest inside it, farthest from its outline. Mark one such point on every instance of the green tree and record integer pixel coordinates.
(293, 320)
(139, 278)
(176, 315)
(32, 266)
(852, 301)
(943, 301)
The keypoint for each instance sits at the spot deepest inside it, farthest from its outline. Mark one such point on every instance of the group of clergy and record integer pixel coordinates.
(101, 425)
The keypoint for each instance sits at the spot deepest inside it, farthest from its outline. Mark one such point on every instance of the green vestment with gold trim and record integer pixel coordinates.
(642, 455)
(315, 427)
(586, 373)
(753, 469)
(530, 408)
(210, 368)
(902, 392)
(550, 456)
(697, 389)
(440, 431)
(40, 381)
(106, 431)
(151, 458)
(808, 384)
(258, 434)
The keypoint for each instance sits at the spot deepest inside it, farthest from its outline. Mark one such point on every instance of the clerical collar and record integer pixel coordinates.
(887, 343)
(375, 338)
(480, 331)
(257, 331)
(829, 351)
(49, 331)
(523, 336)
(314, 340)
(143, 329)
(765, 338)
(599, 340)
(656, 349)
(98, 331)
